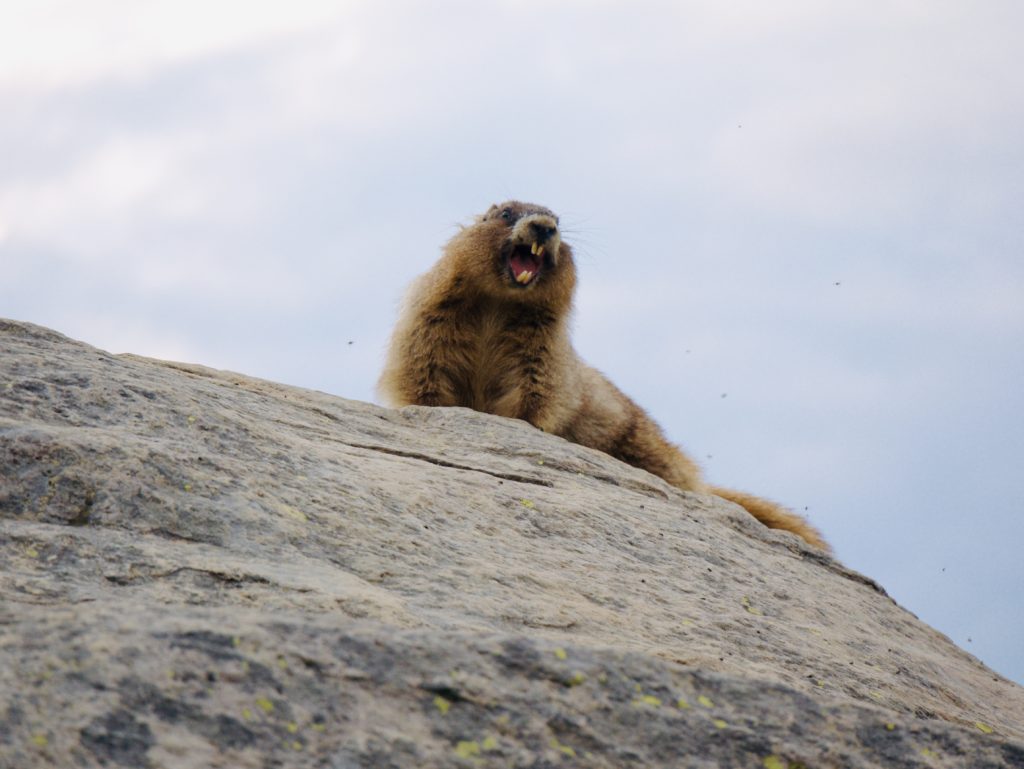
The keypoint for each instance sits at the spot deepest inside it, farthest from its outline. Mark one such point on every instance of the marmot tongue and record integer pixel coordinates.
(524, 266)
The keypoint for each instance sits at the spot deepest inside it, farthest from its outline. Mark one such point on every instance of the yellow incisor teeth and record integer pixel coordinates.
(524, 276)
(540, 250)
(533, 248)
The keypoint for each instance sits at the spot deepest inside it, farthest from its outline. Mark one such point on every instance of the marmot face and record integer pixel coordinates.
(524, 242)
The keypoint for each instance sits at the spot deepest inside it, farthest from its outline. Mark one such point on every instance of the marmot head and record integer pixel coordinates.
(518, 251)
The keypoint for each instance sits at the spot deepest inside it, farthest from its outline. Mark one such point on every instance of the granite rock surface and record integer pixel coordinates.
(199, 568)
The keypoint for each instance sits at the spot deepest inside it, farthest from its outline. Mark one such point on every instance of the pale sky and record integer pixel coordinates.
(798, 225)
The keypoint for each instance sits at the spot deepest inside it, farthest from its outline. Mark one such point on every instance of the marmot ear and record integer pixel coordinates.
(490, 211)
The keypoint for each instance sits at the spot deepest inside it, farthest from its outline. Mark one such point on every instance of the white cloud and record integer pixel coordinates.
(88, 208)
(877, 120)
(57, 43)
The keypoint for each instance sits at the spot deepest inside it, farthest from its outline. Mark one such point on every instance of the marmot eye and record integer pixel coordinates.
(507, 214)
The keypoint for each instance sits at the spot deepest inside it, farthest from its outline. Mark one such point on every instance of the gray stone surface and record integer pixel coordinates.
(198, 568)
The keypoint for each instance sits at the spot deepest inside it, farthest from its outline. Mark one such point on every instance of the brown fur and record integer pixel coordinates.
(473, 335)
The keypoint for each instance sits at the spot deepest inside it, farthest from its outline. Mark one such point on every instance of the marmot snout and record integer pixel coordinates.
(532, 247)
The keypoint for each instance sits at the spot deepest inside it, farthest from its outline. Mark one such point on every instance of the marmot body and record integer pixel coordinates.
(487, 328)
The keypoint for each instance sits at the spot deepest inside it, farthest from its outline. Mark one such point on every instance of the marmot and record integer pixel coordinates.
(487, 328)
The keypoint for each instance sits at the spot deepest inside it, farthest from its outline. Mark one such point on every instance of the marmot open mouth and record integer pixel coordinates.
(525, 263)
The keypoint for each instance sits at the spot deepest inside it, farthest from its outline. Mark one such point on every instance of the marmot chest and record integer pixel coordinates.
(500, 356)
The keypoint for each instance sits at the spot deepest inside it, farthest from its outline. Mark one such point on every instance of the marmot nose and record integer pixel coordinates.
(542, 231)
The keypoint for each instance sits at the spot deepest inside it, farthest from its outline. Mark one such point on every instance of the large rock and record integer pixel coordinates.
(204, 569)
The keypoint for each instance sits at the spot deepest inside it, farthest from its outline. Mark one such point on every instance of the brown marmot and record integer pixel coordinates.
(487, 328)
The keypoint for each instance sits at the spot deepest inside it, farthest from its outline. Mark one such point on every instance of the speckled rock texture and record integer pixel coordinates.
(201, 569)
